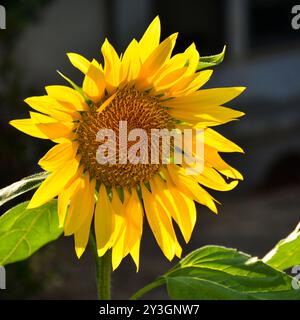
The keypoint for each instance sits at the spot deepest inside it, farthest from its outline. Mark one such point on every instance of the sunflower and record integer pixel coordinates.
(150, 89)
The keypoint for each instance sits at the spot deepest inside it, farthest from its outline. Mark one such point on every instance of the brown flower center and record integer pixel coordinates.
(141, 111)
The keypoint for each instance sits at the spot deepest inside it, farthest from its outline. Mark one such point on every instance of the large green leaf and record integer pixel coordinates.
(22, 186)
(211, 61)
(214, 272)
(23, 231)
(286, 253)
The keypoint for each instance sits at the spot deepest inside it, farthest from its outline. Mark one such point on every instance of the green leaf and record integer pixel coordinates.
(23, 231)
(22, 186)
(214, 272)
(286, 253)
(211, 61)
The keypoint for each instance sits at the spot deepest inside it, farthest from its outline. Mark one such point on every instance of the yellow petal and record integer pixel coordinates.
(134, 220)
(192, 57)
(104, 223)
(57, 155)
(205, 98)
(213, 159)
(219, 142)
(82, 234)
(160, 224)
(65, 196)
(67, 95)
(178, 61)
(94, 82)
(169, 80)
(189, 186)
(203, 116)
(212, 179)
(150, 39)
(29, 127)
(119, 218)
(112, 65)
(181, 208)
(116, 202)
(131, 63)
(53, 185)
(190, 84)
(135, 254)
(49, 106)
(57, 130)
(178, 250)
(106, 103)
(41, 118)
(158, 58)
(118, 250)
(187, 81)
(80, 206)
(79, 62)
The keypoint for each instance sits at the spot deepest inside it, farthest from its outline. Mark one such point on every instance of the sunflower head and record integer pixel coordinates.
(147, 89)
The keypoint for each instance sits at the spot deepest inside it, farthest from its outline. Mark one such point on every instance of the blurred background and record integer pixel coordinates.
(263, 53)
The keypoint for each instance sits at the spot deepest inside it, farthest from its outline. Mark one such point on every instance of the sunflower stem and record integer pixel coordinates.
(103, 271)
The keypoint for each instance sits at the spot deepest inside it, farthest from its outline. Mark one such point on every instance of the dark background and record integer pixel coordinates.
(262, 53)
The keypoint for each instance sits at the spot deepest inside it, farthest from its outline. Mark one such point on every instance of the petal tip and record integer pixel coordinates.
(32, 205)
(79, 252)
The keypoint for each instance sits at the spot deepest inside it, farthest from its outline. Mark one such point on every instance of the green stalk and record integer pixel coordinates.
(103, 271)
(159, 282)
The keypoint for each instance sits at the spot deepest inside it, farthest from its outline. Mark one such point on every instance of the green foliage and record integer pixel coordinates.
(211, 61)
(286, 253)
(22, 186)
(23, 231)
(214, 272)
